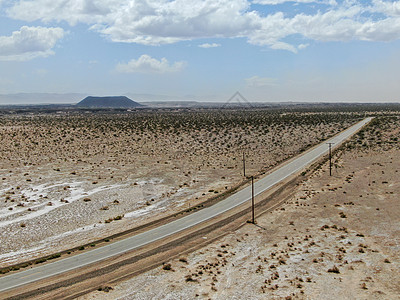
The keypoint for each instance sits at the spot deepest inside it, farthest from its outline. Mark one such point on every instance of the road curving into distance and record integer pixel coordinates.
(63, 265)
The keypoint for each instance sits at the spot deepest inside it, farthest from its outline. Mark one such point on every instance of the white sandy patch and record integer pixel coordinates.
(149, 191)
(33, 193)
(13, 256)
(76, 193)
(146, 210)
(150, 181)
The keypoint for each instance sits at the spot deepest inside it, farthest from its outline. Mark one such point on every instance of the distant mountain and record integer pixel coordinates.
(108, 102)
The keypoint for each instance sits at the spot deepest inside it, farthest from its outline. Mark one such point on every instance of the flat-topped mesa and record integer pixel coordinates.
(108, 102)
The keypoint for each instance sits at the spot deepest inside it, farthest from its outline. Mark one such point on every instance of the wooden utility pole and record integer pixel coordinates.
(252, 200)
(244, 165)
(330, 158)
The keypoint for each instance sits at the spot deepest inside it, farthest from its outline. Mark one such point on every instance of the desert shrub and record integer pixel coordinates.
(54, 256)
(40, 260)
(167, 267)
(334, 269)
(105, 289)
(183, 259)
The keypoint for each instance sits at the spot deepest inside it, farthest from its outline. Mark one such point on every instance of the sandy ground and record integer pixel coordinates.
(337, 238)
(69, 179)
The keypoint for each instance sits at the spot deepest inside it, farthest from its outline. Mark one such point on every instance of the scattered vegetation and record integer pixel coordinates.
(114, 219)
(207, 134)
(105, 289)
(202, 133)
(167, 267)
(334, 269)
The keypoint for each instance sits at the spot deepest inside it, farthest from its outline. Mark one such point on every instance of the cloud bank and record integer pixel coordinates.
(156, 22)
(147, 64)
(29, 42)
(207, 45)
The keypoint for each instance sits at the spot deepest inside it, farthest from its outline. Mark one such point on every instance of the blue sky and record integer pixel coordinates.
(269, 50)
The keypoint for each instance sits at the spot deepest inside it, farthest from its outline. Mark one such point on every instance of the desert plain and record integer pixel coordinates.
(69, 178)
(336, 237)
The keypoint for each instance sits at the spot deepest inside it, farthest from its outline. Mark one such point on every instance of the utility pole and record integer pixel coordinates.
(330, 158)
(252, 200)
(244, 165)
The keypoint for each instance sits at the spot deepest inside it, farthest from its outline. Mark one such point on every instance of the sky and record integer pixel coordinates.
(205, 50)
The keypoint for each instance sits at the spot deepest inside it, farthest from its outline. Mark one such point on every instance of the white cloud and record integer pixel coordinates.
(303, 46)
(29, 43)
(155, 22)
(386, 7)
(343, 24)
(282, 46)
(147, 64)
(256, 81)
(275, 2)
(207, 45)
(151, 22)
(71, 11)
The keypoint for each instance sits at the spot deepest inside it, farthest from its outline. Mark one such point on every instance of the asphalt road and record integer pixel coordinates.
(130, 243)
